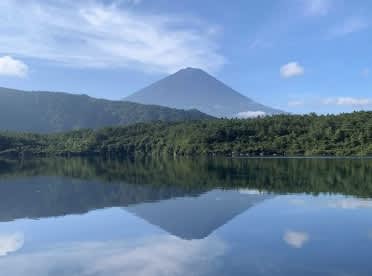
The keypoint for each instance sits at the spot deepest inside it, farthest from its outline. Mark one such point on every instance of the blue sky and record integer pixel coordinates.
(297, 55)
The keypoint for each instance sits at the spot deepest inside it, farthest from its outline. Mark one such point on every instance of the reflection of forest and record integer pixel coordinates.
(308, 175)
(52, 187)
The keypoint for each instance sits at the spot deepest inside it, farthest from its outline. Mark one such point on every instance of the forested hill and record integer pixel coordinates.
(286, 135)
(45, 112)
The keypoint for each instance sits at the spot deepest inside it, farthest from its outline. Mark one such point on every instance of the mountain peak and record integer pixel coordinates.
(193, 88)
(191, 70)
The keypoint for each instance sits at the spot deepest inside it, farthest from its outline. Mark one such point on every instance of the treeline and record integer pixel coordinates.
(281, 135)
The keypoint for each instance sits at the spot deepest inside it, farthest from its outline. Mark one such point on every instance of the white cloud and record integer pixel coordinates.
(250, 114)
(259, 43)
(317, 7)
(160, 255)
(12, 67)
(10, 243)
(91, 34)
(296, 239)
(291, 69)
(349, 26)
(366, 72)
(296, 103)
(348, 101)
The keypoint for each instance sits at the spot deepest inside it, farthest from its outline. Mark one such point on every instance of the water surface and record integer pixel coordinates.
(186, 217)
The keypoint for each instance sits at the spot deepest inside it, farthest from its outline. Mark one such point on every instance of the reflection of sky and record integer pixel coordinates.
(105, 242)
(285, 235)
(113, 223)
(300, 235)
(156, 255)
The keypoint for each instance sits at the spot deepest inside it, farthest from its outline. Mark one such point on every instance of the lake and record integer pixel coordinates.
(217, 216)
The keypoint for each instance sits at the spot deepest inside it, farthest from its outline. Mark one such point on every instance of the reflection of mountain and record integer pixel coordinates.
(38, 197)
(196, 217)
(186, 214)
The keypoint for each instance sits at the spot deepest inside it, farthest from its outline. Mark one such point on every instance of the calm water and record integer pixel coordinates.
(186, 217)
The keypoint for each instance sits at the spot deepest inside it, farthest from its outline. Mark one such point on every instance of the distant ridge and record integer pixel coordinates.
(193, 88)
(46, 112)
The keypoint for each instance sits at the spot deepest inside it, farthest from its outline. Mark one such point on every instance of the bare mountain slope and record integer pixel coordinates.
(192, 88)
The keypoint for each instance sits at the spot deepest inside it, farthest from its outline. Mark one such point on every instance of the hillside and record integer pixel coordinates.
(194, 88)
(284, 135)
(46, 112)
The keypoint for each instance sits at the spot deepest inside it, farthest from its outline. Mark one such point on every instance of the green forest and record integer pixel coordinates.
(280, 135)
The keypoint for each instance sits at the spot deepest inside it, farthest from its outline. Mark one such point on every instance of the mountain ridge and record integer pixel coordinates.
(195, 88)
(45, 112)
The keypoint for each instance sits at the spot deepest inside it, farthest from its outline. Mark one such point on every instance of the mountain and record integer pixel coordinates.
(194, 88)
(52, 196)
(53, 112)
(176, 210)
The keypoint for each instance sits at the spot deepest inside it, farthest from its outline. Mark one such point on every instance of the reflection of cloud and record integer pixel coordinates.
(10, 243)
(340, 203)
(160, 255)
(250, 192)
(296, 239)
(297, 202)
(350, 203)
